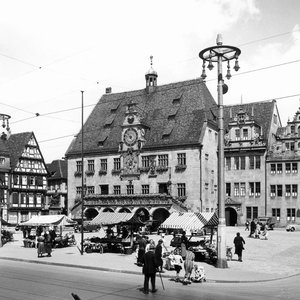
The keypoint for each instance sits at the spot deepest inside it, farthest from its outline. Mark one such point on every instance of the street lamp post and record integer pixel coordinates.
(219, 54)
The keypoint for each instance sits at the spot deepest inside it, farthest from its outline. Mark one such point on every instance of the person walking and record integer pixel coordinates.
(141, 250)
(177, 262)
(239, 245)
(188, 266)
(247, 225)
(184, 244)
(252, 228)
(158, 256)
(149, 270)
(47, 243)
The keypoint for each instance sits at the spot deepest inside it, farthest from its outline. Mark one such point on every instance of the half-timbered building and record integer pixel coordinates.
(28, 178)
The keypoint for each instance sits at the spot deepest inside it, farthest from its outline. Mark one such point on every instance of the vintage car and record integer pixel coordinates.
(269, 221)
(292, 227)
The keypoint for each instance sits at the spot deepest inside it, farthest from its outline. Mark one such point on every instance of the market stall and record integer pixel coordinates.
(58, 223)
(121, 239)
(200, 227)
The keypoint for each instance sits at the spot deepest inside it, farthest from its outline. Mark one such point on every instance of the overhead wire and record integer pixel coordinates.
(214, 108)
(63, 58)
(97, 82)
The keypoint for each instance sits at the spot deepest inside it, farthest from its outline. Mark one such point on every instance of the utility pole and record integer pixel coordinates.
(219, 54)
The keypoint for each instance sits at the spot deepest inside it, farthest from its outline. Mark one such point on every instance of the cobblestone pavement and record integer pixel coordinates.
(271, 259)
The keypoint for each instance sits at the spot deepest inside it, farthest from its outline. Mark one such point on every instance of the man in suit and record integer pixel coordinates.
(149, 270)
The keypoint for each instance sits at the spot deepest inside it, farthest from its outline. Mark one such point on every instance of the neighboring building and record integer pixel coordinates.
(4, 178)
(251, 129)
(27, 183)
(283, 173)
(147, 151)
(57, 194)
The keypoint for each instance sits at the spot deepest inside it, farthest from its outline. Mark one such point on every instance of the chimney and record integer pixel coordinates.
(108, 90)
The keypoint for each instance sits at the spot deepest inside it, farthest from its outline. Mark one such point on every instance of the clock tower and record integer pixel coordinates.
(133, 139)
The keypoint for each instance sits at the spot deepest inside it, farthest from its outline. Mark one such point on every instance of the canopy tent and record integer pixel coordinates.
(4, 223)
(49, 220)
(190, 220)
(114, 218)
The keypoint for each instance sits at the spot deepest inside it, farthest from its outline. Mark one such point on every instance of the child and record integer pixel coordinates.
(199, 274)
(177, 261)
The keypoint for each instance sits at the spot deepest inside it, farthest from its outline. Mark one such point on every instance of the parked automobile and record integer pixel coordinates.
(292, 227)
(269, 221)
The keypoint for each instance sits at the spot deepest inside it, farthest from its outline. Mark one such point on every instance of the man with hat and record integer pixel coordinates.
(158, 256)
(149, 270)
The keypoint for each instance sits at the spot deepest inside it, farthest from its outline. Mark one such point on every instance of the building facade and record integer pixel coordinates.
(27, 178)
(148, 151)
(284, 174)
(57, 194)
(251, 129)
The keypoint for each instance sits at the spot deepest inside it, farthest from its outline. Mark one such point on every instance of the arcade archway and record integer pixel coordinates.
(159, 216)
(91, 213)
(125, 210)
(230, 216)
(142, 214)
(108, 209)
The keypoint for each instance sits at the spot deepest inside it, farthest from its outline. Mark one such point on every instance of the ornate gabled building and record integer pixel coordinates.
(251, 129)
(147, 151)
(57, 194)
(283, 172)
(4, 178)
(27, 179)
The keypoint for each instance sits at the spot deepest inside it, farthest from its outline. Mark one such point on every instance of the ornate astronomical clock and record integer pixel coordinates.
(130, 137)
(131, 143)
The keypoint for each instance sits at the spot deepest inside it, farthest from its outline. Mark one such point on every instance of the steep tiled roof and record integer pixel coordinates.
(262, 111)
(58, 169)
(159, 111)
(16, 144)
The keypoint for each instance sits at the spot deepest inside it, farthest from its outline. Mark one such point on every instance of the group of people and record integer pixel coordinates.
(45, 241)
(150, 257)
(257, 230)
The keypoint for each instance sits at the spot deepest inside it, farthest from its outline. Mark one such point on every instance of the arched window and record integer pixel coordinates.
(299, 130)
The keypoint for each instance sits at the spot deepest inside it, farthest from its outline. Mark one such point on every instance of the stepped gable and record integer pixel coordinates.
(177, 108)
(58, 169)
(16, 144)
(262, 114)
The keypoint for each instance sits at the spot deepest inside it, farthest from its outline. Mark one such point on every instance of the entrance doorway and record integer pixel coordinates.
(230, 216)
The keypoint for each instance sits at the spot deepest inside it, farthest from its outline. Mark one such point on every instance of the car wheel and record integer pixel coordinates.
(292, 229)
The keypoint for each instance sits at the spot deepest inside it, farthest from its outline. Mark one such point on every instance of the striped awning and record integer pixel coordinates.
(47, 220)
(113, 218)
(190, 220)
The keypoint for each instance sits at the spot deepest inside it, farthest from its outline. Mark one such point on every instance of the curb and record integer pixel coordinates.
(138, 273)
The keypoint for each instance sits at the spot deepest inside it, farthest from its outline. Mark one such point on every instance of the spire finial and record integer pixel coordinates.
(241, 99)
(151, 60)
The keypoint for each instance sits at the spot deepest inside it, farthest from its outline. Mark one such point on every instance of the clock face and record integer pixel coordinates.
(130, 136)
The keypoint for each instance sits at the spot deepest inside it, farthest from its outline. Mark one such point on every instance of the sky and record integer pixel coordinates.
(51, 50)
